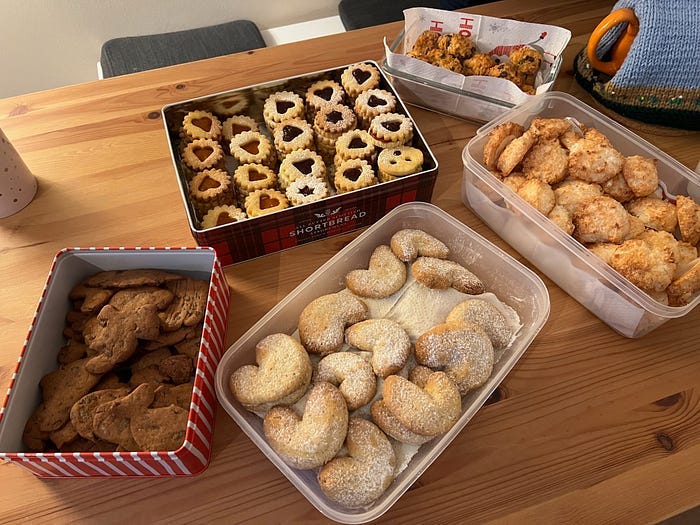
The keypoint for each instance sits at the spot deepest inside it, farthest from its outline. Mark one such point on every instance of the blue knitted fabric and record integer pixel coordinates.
(659, 81)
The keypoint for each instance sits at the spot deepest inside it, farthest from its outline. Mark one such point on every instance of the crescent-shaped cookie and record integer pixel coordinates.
(428, 411)
(463, 351)
(408, 244)
(310, 440)
(385, 274)
(386, 339)
(352, 374)
(322, 322)
(281, 376)
(442, 274)
(487, 317)
(361, 477)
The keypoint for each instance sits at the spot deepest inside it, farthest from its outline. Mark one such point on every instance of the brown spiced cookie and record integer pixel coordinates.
(161, 428)
(299, 163)
(292, 134)
(358, 78)
(280, 106)
(261, 202)
(354, 174)
(210, 188)
(252, 147)
(373, 102)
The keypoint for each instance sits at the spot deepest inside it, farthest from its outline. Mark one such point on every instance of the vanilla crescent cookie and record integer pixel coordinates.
(409, 243)
(280, 377)
(463, 351)
(386, 339)
(391, 426)
(352, 374)
(397, 162)
(427, 411)
(312, 439)
(385, 275)
(322, 322)
(442, 273)
(487, 317)
(358, 479)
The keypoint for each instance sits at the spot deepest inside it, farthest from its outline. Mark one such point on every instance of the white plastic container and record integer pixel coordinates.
(587, 278)
(513, 283)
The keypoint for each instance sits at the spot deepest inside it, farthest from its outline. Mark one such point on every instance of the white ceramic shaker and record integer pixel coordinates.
(17, 184)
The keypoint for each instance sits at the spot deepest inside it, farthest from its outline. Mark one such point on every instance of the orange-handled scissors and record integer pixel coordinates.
(619, 50)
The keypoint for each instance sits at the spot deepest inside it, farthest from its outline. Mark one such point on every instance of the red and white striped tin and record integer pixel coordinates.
(45, 338)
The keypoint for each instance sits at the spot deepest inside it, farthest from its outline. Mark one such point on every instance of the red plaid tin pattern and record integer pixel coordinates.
(193, 456)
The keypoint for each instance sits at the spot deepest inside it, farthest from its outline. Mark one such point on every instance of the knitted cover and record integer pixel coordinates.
(659, 81)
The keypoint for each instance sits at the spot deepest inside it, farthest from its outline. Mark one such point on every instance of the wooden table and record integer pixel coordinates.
(590, 426)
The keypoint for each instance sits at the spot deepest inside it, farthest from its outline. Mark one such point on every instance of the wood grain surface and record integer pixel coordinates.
(589, 427)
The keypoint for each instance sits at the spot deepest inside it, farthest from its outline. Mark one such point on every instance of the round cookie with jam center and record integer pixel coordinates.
(220, 215)
(250, 177)
(354, 144)
(202, 154)
(305, 189)
(236, 124)
(354, 174)
(200, 124)
(373, 102)
(210, 188)
(261, 202)
(390, 130)
(252, 147)
(358, 78)
(321, 93)
(299, 163)
(282, 105)
(293, 134)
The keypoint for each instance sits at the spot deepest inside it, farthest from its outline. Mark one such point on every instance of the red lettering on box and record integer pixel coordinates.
(436, 25)
(466, 26)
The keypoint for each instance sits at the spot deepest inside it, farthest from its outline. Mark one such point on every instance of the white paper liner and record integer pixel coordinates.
(496, 36)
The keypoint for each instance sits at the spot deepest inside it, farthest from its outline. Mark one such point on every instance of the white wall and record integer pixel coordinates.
(52, 43)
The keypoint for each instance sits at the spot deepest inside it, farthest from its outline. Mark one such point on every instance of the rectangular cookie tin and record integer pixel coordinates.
(297, 225)
(513, 283)
(45, 338)
(584, 276)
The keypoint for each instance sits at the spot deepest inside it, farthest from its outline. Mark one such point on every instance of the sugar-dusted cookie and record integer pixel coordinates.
(253, 147)
(385, 274)
(299, 163)
(359, 77)
(371, 103)
(305, 189)
(354, 174)
(389, 343)
(397, 162)
(409, 243)
(352, 374)
(292, 134)
(280, 106)
(443, 273)
(389, 130)
(219, 215)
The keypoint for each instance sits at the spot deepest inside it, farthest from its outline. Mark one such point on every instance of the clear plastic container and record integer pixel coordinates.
(513, 283)
(587, 278)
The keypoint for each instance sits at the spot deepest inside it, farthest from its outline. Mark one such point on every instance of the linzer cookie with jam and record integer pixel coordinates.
(322, 93)
(282, 105)
(250, 177)
(210, 188)
(354, 144)
(201, 124)
(292, 134)
(202, 154)
(261, 202)
(236, 124)
(358, 78)
(299, 163)
(331, 122)
(219, 215)
(354, 174)
(252, 147)
(390, 130)
(371, 103)
(305, 189)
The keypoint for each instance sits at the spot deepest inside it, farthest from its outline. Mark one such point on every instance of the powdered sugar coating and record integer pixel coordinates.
(322, 322)
(463, 351)
(352, 374)
(443, 273)
(388, 342)
(385, 275)
(487, 317)
(361, 477)
(408, 244)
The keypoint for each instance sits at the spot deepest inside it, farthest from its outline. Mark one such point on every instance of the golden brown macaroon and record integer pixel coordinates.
(601, 219)
(571, 193)
(640, 174)
(656, 214)
(688, 212)
(538, 194)
(647, 264)
(593, 160)
(547, 160)
(498, 138)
